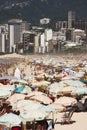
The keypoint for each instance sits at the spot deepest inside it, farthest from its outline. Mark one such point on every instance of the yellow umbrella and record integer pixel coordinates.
(28, 88)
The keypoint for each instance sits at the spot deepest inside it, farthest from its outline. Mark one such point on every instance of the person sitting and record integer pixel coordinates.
(67, 115)
(85, 105)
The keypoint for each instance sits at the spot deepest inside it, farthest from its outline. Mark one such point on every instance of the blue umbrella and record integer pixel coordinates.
(19, 89)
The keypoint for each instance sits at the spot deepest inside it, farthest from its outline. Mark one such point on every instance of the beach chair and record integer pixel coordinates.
(66, 118)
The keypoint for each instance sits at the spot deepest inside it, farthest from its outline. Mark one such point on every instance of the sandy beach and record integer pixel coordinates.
(79, 119)
(79, 122)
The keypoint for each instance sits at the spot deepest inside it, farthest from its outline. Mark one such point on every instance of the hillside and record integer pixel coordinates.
(33, 10)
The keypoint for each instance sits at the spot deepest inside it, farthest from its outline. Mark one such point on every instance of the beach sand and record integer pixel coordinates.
(80, 118)
(79, 122)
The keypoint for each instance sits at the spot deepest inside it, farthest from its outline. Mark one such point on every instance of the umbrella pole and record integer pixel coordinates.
(24, 126)
(53, 120)
(34, 124)
(10, 127)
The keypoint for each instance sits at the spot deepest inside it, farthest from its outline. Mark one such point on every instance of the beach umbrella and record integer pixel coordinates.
(79, 91)
(66, 90)
(22, 89)
(66, 101)
(76, 83)
(39, 77)
(4, 93)
(41, 84)
(41, 98)
(84, 81)
(47, 108)
(27, 105)
(7, 77)
(80, 74)
(10, 119)
(7, 87)
(26, 90)
(18, 89)
(34, 115)
(69, 77)
(31, 77)
(16, 97)
(22, 81)
(55, 91)
(33, 93)
(57, 107)
(56, 85)
(55, 88)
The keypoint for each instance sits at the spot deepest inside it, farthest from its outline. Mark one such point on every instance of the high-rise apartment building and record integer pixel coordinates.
(3, 38)
(28, 41)
(61, 24)
(14, 31)
(71, 19)
(2, 42)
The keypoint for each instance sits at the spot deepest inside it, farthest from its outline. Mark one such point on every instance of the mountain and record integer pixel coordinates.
(33, 10)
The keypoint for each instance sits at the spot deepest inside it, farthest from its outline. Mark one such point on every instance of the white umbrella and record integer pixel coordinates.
(47, 108)
(57, 107)
(55, 88)
(34, 115)
(10, 119)
(4, 93)
(27, 105)
(22, 81)
(16, 97)
(7, 87)
(76, 83)
(66, 101)
(41, 98)
(41, 84)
